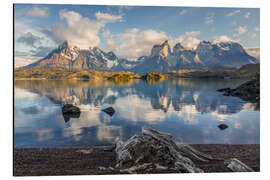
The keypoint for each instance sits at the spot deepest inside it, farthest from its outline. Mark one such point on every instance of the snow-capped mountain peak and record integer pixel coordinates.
(162, 59)
(162, 50)
(68, 51)
(178, 48)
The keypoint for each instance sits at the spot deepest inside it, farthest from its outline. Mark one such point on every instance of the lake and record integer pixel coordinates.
(189, 109)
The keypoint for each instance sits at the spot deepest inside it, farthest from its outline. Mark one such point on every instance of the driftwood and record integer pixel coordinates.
(155, 150)
(237, 166)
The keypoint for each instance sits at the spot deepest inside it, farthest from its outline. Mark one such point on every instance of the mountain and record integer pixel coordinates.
(162, 58)
(71, 57)
(158, 61)
(223, 53)
(207, 54)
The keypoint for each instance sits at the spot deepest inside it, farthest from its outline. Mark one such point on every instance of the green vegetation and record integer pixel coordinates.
(246, 71)
(249, 90)
(200, 73)
(123, 77)
(256, 78)
(42, 74)
(154, 77)
(90, 75)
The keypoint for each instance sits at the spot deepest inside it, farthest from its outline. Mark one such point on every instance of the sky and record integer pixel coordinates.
(128, 31)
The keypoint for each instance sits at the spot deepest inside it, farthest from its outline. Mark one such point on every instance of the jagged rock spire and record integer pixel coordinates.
(177, 47)
(64, 45)
(162, 50)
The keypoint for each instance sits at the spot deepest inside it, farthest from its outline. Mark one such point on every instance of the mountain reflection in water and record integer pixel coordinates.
(189, 109)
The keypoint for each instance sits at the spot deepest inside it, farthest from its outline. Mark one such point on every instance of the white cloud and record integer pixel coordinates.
(233, 13)
(188, 39)
(135, 43)
(108, 17)
(36, 11)
(44, 134)
(80, 31)
(124, 8)
(237, 40)
(106, 33)
(257, 29)
(191, 43)
(254, 35)
(209, 18)
(255, 52)
(240, 30)
(222, 38)
(193, 33)
(24, 26)
(110, 45)
(20, 94)
(109, 132)
(140, 110)
(20, 61)
(247, 15)
(29, 39)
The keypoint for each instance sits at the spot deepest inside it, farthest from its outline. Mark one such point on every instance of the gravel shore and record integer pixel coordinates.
(98, 160)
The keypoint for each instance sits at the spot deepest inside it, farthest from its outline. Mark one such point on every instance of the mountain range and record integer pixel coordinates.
(162, 58)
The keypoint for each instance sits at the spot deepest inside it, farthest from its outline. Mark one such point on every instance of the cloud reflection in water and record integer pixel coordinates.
(188, 109)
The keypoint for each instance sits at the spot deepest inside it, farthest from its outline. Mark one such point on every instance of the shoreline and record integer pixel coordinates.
(98, 159)
(140, 79)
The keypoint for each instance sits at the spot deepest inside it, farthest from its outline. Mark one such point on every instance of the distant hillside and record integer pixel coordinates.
(59, 73)
(246, 71)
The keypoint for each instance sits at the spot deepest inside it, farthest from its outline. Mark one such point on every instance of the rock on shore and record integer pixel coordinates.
(249, 91)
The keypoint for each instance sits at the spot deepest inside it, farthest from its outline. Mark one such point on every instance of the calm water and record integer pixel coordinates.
(190, 110)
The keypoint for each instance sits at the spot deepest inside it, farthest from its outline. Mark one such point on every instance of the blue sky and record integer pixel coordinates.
(129, 31)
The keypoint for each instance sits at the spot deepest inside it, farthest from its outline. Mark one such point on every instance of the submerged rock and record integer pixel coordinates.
(68, 116)
(223, 89)
(109, 111)
(155, 150)
(70, 111)
(222, 126)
